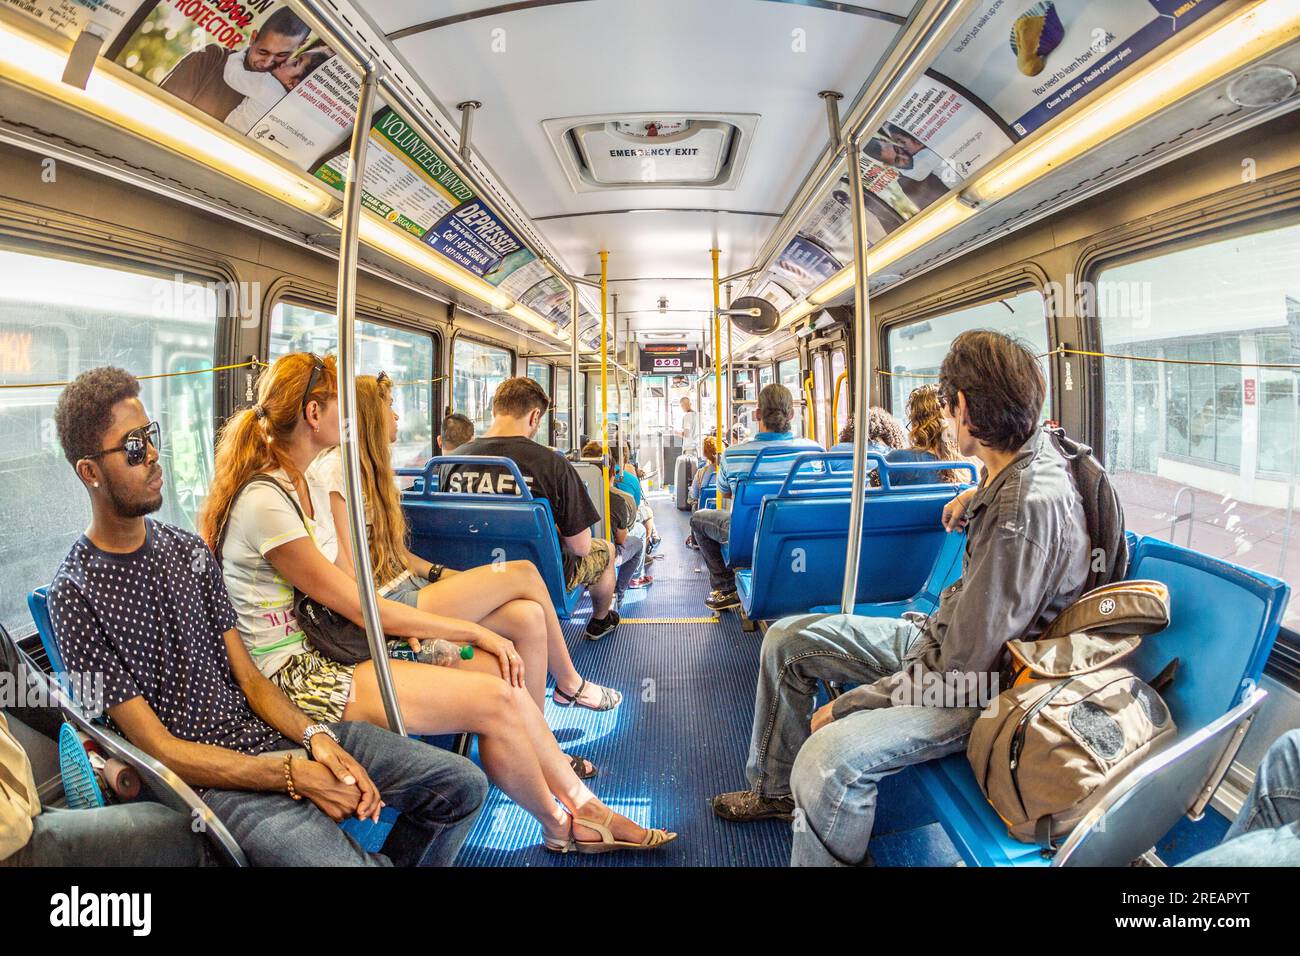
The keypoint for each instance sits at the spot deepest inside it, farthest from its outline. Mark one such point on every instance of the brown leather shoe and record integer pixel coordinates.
(743, 805)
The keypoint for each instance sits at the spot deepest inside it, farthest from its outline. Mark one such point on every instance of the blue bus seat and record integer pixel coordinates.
(465, 530)
(1223, 622)
(38, 604)
(803, 532)
(765, 475)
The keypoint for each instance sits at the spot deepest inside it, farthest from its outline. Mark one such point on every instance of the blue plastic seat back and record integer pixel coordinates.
(770, 469)
(465, 530)
(1223, 620)
(802, 542)
(38, 602)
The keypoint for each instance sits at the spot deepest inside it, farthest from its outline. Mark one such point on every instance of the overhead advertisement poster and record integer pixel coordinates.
(70, 17)
(1027, 62)
(1009, 70)
(409, 184)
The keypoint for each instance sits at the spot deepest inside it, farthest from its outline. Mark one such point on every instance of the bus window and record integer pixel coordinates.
(59, 318)
(764, 376)
(407, 357)
(540, 373)
(477, 369)
(916, 349)
(842, 409)
(788, 375)
(1204, 454)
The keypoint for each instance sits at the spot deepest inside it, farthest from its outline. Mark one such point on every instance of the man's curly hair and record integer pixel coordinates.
(85, 409)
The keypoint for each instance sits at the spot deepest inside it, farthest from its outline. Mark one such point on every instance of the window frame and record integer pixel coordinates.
(291, 294)
(550, 389)
(141, 261)
(1134, 245)
(1027, 278)
(477, 339)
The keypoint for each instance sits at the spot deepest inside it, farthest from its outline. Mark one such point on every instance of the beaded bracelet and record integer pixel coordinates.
(288, 777)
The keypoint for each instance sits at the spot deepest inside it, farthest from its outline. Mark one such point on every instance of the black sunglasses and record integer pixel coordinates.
(382, 378)
(317, 369)
(136, 444)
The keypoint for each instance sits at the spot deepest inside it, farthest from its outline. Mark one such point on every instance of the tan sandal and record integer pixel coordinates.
(652, 840)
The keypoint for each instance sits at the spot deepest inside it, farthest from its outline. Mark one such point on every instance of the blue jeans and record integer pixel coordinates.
(631, 554)
(437, 793)
(1267, 830)
(638, 531)
(712, 529)
(833, 774)
(127, 834)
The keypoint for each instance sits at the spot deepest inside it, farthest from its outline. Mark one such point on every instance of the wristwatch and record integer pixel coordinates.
(311, 732)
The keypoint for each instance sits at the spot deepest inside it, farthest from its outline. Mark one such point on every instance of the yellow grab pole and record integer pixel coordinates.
(604, 398)
(717, 366)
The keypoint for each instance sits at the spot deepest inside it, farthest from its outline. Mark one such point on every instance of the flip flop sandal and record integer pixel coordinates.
(580, 765)
(609, 699)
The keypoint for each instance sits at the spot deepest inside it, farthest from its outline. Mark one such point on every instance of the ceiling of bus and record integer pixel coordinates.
(547, 60)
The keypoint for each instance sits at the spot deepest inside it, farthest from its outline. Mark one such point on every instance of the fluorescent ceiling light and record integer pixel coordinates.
(121, 98)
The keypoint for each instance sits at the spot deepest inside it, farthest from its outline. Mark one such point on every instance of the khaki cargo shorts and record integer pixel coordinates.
(590, 567)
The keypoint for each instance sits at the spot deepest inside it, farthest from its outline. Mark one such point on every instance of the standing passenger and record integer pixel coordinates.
(1027, 557)
(142, 603)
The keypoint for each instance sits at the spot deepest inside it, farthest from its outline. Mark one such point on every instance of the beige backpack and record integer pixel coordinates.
(18, 800)
(1074, 719)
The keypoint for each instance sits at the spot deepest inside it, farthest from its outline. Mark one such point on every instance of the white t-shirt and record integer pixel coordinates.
(261, 92)
(261, 520)
(691, 431)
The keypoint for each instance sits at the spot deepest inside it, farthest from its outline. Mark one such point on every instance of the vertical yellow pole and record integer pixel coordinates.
(717, 367)
(604, 384)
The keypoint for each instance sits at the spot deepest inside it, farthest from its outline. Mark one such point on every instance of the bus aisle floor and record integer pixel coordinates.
(681, 735)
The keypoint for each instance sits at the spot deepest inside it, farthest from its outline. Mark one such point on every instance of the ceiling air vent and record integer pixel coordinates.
(652, 150)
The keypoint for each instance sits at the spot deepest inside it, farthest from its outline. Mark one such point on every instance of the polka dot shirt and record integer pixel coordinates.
(153, 624)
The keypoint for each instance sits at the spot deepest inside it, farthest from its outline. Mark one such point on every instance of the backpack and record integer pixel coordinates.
(1074, 720)
(1101, 508)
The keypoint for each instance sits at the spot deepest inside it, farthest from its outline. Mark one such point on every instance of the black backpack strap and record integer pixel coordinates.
(259, 478)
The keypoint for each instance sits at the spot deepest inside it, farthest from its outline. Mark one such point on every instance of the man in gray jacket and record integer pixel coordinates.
(922, 685)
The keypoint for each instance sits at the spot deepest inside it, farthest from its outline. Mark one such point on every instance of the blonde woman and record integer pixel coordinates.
(927, 430)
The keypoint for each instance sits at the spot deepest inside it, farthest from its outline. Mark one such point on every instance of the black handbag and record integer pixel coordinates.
(328, 632)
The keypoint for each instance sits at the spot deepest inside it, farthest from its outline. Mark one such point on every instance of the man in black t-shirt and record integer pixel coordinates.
(518, 408)
(143, 604)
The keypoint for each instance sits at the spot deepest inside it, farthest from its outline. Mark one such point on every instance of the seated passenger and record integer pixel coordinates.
(518, 407)
(457, 430)
(928, 432)
(704, 473)
(1027, 557)
(629, 548)
(711, 527)
(884, 434)
(1267, 829)
(268, 551)
(407, 578)
(142, 603)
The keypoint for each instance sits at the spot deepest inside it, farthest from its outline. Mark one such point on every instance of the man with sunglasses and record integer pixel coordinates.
(922, 683)
(143, 604)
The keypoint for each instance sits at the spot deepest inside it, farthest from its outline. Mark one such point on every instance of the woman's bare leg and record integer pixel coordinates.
(556, 768)
(442, 700)
(472, 595)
